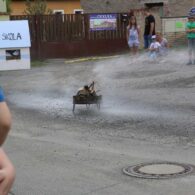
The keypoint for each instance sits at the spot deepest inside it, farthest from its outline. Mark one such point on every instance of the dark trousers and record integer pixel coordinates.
(147, 41)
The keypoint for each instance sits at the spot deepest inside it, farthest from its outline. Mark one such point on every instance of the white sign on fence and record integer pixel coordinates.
(174, 25)
(14, 34)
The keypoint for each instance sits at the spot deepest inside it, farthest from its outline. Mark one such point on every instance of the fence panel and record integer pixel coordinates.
(32, 24)
(58, 36)
(69, 27)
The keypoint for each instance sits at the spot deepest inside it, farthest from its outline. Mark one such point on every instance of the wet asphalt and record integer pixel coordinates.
(147, 114)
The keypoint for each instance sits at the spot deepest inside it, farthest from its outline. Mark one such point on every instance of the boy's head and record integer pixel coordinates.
(158, 35)
(147, 11)
(191, 17)
(191, 13)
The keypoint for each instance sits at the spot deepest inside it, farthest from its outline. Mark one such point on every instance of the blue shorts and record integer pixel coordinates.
(2, 97)
(153, 55)
(147, 41)
(191, 44)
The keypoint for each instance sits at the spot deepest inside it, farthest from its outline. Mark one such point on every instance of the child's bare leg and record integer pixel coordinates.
(193, 49)
(132, 51)
(5, 121)
(190, 49)
(135, 50)
(7, 173)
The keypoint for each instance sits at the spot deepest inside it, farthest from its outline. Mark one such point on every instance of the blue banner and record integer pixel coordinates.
(103, 22)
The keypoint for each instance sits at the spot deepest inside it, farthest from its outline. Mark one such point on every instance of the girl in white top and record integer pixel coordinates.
(133, 35)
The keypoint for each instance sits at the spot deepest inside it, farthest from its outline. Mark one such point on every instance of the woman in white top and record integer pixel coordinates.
(133, 35)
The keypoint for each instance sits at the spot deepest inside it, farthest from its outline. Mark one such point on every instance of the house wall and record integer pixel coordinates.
(2, 6)
(18, 7)
(68, 6)
(4, 17)
(180, 7)
(23, 63)
(111, 6)
(176, 7)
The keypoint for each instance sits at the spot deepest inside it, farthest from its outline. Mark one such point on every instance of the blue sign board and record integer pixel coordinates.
(103, 22)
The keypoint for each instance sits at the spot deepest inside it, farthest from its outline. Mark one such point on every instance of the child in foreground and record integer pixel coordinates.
(7, 171)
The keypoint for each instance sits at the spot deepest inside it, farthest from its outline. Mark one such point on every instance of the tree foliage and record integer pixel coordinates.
(37, 7)
(8, 2)
(8, 8)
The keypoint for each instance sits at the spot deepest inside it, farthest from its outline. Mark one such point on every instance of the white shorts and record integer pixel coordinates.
(133, 43)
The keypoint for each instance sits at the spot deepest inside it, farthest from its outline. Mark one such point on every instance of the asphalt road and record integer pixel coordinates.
(147, 115)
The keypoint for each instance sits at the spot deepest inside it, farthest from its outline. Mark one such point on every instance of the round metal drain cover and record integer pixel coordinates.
(158, 170)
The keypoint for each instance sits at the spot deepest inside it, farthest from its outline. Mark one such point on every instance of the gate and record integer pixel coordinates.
(63, 36)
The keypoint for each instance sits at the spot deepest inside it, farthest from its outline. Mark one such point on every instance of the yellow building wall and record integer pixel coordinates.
(18, 7)
(4, 18)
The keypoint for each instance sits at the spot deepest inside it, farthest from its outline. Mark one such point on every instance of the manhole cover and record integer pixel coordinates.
(158, 170)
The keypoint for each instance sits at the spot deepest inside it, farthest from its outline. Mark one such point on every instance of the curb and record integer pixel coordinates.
(88, 59)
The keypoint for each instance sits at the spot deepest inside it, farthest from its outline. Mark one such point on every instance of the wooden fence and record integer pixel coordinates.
(61, 36)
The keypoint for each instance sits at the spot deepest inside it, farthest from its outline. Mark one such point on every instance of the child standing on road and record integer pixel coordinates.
(133, 35)
(190, 30)
(7, 171)
(154, 48)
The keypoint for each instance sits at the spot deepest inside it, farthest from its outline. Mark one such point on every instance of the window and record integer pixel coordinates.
(78, 11)
(58, 11)
(13, 54)
(150, 5)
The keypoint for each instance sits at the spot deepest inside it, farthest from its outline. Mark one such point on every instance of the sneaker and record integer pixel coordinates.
(189, 63)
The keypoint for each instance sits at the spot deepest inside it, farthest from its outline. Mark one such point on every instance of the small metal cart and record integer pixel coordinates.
(87, 100)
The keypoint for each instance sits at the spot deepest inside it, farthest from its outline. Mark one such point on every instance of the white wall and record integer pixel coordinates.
(23, 63)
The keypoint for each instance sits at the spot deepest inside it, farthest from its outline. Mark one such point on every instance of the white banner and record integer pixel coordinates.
(14, 34)
(174, 25)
